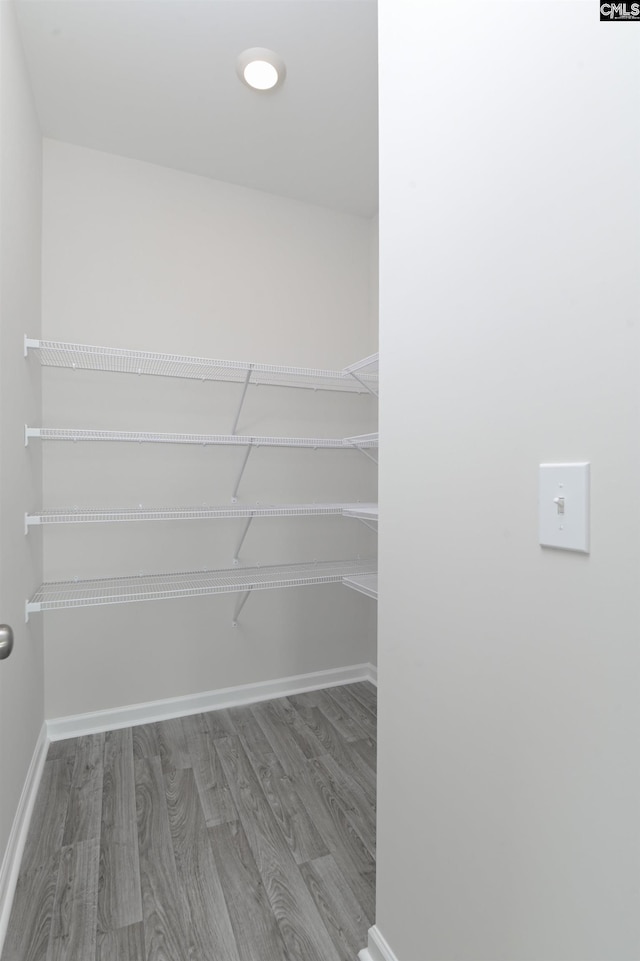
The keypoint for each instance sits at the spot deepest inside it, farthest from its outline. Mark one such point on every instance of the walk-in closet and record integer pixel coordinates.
(193, 348)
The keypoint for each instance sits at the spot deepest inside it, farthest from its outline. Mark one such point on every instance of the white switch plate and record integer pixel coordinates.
(563, 508)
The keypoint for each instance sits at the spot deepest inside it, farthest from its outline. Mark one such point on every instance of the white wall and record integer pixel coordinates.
(141, 256)
(21, 676)
(509, 709)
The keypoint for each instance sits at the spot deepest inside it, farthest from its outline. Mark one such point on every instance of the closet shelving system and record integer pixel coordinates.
(360, 377)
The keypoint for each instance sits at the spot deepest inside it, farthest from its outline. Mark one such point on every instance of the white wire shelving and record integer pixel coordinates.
(363, 443)
(92, 515)
(365, 372)
(76, 434)
(357, 378)
(367, 512)
(363, 583)
(59, 595)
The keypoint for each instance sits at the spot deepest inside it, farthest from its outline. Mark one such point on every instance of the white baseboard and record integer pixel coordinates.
(377, 949)
(10, 867)
(111, 719)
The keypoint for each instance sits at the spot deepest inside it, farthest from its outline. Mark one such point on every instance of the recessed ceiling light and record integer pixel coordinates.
(260, 68)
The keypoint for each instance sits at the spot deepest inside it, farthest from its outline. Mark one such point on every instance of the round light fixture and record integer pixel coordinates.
(261, 69)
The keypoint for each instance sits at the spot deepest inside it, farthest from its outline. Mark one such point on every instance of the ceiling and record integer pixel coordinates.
(156, 80)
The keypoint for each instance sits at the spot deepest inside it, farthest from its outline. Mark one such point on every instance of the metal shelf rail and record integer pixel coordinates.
(246, 512)
(358, 378)
(361, 443)
(235, 440)
(363, 583)
(59, 595)
(92, 515)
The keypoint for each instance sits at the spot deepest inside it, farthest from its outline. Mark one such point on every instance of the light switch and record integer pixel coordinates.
(563, 509)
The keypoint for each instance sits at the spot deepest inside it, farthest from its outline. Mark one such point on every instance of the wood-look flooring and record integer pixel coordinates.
(245, 834)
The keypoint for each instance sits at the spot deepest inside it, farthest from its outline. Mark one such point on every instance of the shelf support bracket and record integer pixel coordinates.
(29, 342)
(30, 432)
(244, 394)
(242, 537)
(364, 384)
(242, 600)
(366, 453)
(372, 527)
(234, 496)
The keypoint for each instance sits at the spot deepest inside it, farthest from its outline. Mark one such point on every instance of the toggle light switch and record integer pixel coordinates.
(563, 507)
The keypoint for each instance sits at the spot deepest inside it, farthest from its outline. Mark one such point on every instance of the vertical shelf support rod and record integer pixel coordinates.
(234, 496)
(242, 600)
(244, 394)
(242, 537)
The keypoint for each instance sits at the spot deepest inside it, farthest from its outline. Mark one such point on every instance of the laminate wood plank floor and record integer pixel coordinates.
(245, 834)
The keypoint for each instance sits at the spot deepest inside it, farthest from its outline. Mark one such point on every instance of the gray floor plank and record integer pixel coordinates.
(121, 944)
(347, 847)
(287, 750)
(75, 908)
(119, 898)
(344, 723)
(64, 748)
(172, 745)
(208, 925)
(351, 705)
(291, 816)
(27, 937)
(256, 930)
(85, 793)
(336, 745)
(162, 898)
(366, 693)
(300, 924)
(193, 725)
(220, 724)
(145, 741)
(358, 808)
(343, 917)
(368, 751)
(215, 797)
(49, 814)
(249, 730)
(285, 713)
(293, 820)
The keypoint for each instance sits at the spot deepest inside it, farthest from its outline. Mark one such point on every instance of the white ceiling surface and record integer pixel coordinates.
(156, 80)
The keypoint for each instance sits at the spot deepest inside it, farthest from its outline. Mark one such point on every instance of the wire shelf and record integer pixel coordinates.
(368, 366)
(367, 512)
(204, 440)
(152, 587)
(365, 373)
(363, 583)
(92, 515)
(85, 357)
(361, 440)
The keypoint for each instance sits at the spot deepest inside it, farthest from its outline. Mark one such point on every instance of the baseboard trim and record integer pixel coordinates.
(110, 720)
(377, 949)
(10, 867)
